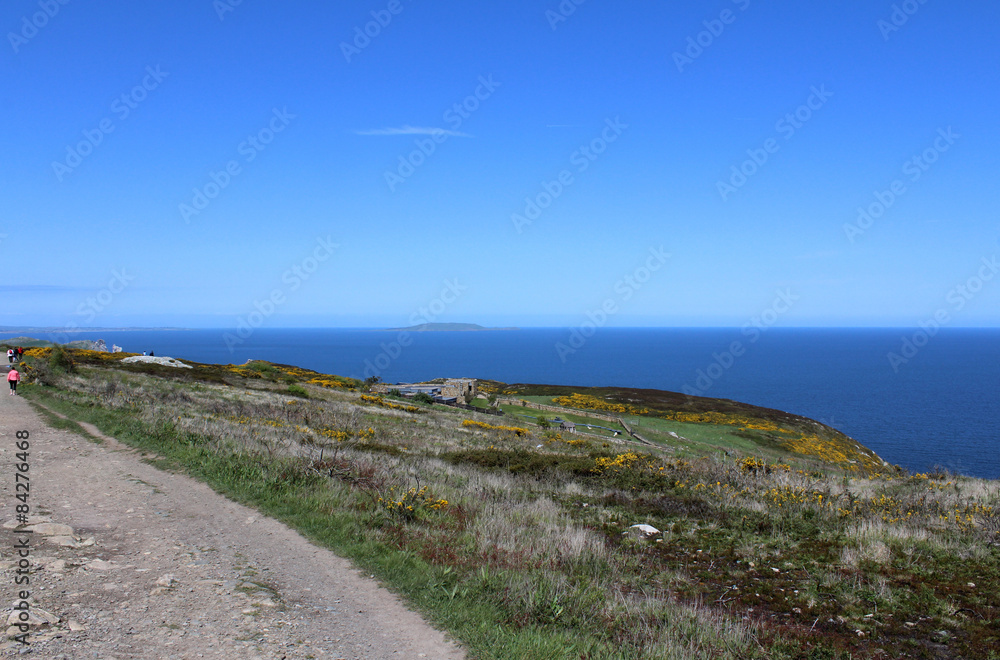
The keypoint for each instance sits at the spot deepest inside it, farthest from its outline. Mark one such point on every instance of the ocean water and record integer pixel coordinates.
(938, 408)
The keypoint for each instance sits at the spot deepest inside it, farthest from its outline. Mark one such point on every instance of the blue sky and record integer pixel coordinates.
(120, 116)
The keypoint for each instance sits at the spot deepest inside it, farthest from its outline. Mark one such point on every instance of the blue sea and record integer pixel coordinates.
(936, 404)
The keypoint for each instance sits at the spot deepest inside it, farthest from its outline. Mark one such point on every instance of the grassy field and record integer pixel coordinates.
(779, 538)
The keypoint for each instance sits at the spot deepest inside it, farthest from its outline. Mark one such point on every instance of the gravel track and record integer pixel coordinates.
(157, 565)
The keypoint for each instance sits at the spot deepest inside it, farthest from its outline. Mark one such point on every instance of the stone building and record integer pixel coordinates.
(449, 390)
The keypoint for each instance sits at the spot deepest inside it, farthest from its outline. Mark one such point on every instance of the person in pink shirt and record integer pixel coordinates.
(13, 378)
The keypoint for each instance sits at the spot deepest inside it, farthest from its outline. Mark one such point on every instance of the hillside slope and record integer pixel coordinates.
(518, 538)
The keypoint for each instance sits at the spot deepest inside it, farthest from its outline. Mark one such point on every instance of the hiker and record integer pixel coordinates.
(10, 355)
(20, 353)
(13, 377)
(152, 354)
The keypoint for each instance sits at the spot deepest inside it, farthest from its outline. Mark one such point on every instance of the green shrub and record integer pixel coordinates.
(60, 360)
(36, 371)
(298, 390)
(264, 369)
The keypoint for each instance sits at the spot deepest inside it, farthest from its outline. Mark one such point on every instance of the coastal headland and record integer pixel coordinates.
(555, 521)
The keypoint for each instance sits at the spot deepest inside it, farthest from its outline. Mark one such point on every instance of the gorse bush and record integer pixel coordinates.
(411, 503)
(60, 360)
(423, 397)
(516, 430)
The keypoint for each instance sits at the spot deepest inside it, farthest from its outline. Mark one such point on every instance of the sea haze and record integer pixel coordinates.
(939, 408)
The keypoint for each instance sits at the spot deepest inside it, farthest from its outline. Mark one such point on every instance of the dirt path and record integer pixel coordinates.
(158, 565)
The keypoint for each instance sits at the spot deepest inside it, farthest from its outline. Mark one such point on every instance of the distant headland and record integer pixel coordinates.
(446, 327)
(74, 330)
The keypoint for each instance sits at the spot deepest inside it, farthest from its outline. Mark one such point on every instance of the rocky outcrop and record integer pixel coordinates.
(166, 361)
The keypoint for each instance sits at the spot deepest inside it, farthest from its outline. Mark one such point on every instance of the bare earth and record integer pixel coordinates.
(157, 565)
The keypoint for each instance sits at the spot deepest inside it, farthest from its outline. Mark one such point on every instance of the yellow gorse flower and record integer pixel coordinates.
(516, 430)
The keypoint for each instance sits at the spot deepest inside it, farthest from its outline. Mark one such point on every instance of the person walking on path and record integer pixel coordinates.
(13, 378)
(20, 353)
(10, 355)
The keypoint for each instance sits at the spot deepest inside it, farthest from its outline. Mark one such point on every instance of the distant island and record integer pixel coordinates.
(446, 327)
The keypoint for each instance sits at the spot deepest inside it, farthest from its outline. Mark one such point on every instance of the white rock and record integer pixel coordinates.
(32, 520)
(36, 617)
(76, 626)
(643, 531)
(52, 529)
(167, 580)
(56, 566)
(65, 541)
(166, 361)
(99, 565)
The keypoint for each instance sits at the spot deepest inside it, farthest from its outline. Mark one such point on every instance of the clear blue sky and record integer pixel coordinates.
(201, 78)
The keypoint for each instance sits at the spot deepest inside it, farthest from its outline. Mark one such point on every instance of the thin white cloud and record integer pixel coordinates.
(412, 130)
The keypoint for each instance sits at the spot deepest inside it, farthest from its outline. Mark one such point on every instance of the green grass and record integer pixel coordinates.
(57, 422)
(698, 439)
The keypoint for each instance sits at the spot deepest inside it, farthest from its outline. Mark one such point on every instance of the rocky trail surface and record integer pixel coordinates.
(130, 561)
